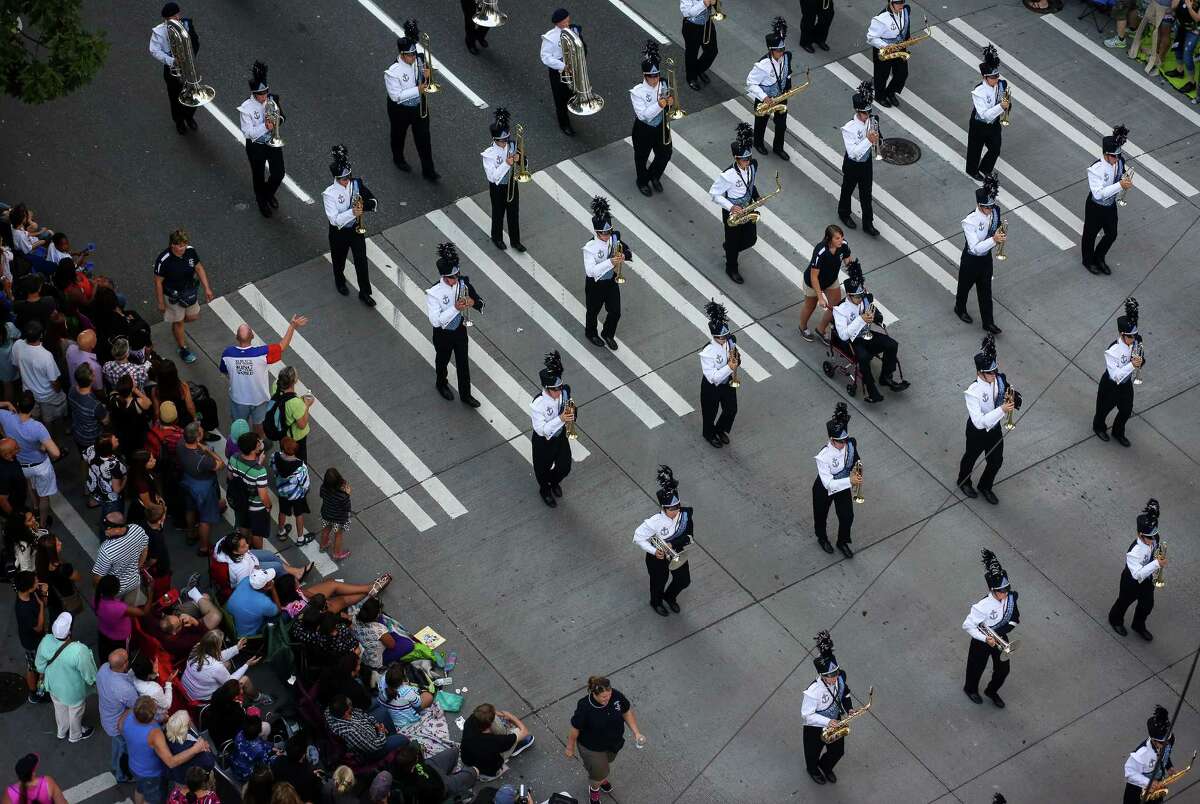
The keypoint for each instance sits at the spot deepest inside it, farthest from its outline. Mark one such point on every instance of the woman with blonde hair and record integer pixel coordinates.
(339, 788)
(180, 737)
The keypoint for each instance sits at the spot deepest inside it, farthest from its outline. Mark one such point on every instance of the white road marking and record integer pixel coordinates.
(354, 450)
(1025, 100)
(92, 787)
(439, 67)
(576, 309)
(557, 332)
(640, 21)
(66, 514)
(233, 129)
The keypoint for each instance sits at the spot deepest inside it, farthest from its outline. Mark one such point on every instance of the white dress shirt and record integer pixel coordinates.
(1140, 560)
(336, 199)
(767, 77)
(983, 403)
(847, 317)
(734, 186)
(820, 698)
(661, 525)
(1141, 764)
(1118, 361)
(552, 55)
(1104, 180)
(439, 304)
(403, 81)
(989, 612)
(978, 228)
(854, 139)
(160, 45)
(597, 258)
(987, 100)
(887, 28)
(694, 11)
(253, 119)
(645, 103)
(714, 362)
(833, 461)
(495, 163)
(544, 413)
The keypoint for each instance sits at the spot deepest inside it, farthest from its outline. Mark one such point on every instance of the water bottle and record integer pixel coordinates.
(314, 757)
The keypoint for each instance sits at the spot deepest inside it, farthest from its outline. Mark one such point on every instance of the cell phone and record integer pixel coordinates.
(521, 795)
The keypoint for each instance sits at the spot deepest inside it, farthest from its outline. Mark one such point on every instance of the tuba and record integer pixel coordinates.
(520, 171)
(900, 49)
(1006, 646)
(749, 213)
(856, 488)
(1128, 174)
(831, 734)
(460, 292)
(676, 558)
(585, 101)
(776, 104)
(194, 93)
(672, 111)
(487, 14)
(1001, 249)
(1158, 790)
(273, 113)
(1160, 574)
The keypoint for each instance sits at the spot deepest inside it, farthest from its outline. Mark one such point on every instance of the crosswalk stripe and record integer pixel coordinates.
(645, 272)
(564, 340)
(1172, 100)
(366, 414)
(439, 67)
(1030, 103)
(1010, 174)
(92, 787)
(514, 390)
(576, 309)
(688, 272)
(640, 21)
(65, 513)
(233, 129)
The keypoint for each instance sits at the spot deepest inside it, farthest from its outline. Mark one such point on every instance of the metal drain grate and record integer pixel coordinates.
(899, 151)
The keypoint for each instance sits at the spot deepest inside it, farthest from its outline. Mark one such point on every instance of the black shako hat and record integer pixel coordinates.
(864, 96)
(1147, 520)
(601, 217)
(412, 35)
(743, 141)
(718, 324)
(499, 126)
(778, 34)
(551, 375)
(855, 283)
(1127, 324)
(447, 261)
(668, 487)
(993, 573)
(1112, 144)
(650, 58)
(990, 66)
(839, 426)
(985, 359)
(826, 662)
(340, 167)
(985, 196)
(258, 78)
(1158, 725)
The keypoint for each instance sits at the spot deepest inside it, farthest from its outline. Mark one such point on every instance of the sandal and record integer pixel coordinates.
(305, 539)
(323, 547)
(307, 570)
(342, 556)
(284, 535)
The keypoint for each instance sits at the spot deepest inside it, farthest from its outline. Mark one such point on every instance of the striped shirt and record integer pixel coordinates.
(405, 708)
(358, 733)
(120, 557)
(252, 476)
(335, 505)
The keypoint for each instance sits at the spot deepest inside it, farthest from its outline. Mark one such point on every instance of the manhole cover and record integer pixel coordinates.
(899, 151)
(12, 691)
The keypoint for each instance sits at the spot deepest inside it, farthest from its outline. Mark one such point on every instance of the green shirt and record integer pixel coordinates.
(73, 673)
(293, 411)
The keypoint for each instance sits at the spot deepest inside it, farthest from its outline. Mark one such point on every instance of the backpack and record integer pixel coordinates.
(275, 425)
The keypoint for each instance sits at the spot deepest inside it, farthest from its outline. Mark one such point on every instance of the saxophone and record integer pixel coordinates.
(900, 49)
(1160, 574)
(776, 104)
(831, 733)
(749, 213)
(1158, 790)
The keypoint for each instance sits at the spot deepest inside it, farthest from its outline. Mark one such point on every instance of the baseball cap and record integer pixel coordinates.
(261, 577)
(62, 626)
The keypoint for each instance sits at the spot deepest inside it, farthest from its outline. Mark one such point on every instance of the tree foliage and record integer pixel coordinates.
(45, 52)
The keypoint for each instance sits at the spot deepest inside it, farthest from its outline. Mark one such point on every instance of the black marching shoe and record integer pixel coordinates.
(431, 177)
(992, 328)
(568, 130)
(548, 498)
(556, 489)
(873, 398)
(807, 48)
(735, 275)
(995, 698)
(645, 190)
(611, 342)
(723, 436)
(823, 45)
(895, 386)
(964, 316)
(483, 44)
(990, 496)
(848, 221)
(342, 288)
(191, 123)
(469, 401)
(673, 605)
(704, 78)
(1120, 439)
(761, 147)
(273, 202)
(714, 441)
(825, 545)
(403, 165)
(976, 175)
(870, 229)
(180, 127)
(974, 696)
(264, 210)
(596, 339)
(1103, 266)
(1143, 633)
(520, 248)
(817, 777)
(474, 51)
(845, 548)
(695, 85)
(660, 609)
(366, 299)
(1093, 268)
(830, 776)
(499, 244)
(445, 391)
(1119, 628)
(782, 154)
(1101, 434)
(657, 185)
(885, 101)
(895, 99)
(968, 488)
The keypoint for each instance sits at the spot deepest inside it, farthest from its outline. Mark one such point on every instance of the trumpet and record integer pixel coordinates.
(194, 92)
(619, 252)
(1005, 117)
(1009, 396)
(676, 558)
(856, 488)
(716, 14)
(356, 204)
(672, 110)
(1160, 574)
(899, 50)
(1006, 646)
(867, 334)
(272, 113)
(1126, 176)
(520, 171)
(748, 213)
(832, 733)
(877, 148)
(488, 14)
(1138, 351)
(569, 407)
(460, 292)
(734, 357)
(776, 104)
(431, 87)
(1158, 790)
(1001, 249)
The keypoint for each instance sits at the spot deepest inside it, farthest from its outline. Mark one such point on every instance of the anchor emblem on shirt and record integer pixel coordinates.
(985, 397)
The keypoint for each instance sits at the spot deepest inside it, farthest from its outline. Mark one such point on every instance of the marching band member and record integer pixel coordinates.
(988, 101)
(649, 116)
(815, 21)
(673, 525)
(699, 40)
(1106, 179)
(826, 702)
(851, 319)
(1137, 576)
(1143, 769)
(603, 255)
(820, 281)
(405, 81)
(476, 34)
(445, 305)
(986, 408)
(160, 49)
(769, 77)
(552, 57)
(889, 27)
(258, 130)
(975, 266)
(836, 471)
(733, 190)
(338, 199)
(998, 611)
(498, 161)
(718, 361)
(1116, 383)
(859, 136)
(551, 447)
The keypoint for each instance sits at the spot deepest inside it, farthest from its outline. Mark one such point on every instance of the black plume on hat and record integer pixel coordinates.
(1159, 724)
(499, 127)
(864, 96)
(991, 61)
(743, 140)
(855, 282)
(985, 359)
(447, 262)
(986, 195)
(668, 487)
(839, 426)
(999, 799)
(340, 167)
(1147, 520)
(778, 33)
(258, 77)
(411, 30)
(650, 58)
(826, 662)
(1121, 135)
(551, 375)
(718, 323)
(993, 572)
(601, 217)
(1131, 310)
(1112, 144)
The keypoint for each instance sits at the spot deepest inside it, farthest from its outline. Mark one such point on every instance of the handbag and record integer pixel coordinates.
(72, 603)
(448, 701)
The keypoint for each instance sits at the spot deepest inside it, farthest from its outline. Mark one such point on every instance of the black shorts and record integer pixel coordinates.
(293, 507)
(258, 522)
(241, 516)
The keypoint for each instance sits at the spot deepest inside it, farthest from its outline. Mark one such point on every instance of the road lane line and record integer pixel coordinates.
(640, 21)
(92, 787)
(233, 129)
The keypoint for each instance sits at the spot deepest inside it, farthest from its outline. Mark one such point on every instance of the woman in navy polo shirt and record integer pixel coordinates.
(598, 727)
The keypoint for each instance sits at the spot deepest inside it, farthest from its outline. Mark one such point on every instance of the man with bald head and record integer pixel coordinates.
(246, 366)
(114, 686)
(12, 480)
(84, 351)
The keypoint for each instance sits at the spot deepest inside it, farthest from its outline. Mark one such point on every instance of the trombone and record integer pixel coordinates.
(520, 171)
(431, 86)
(716, 14)
(672, 110)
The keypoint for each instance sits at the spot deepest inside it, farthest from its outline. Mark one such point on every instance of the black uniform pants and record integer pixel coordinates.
(1133, 794)
(445, 343)
(697, 56)
(502, 207)
(721, 397)
(979, 135)
(402, 118)
(842, 504)
(889, 75)
(857, 175)
(737, 240)
(817, 755)
(660, 572)
(562, 93)
(1110, 395)
(977, 659)
(975, 271)
(475, 33)
(264, 158)
(978, 442)
(1097, 218)
(648, 139)
(341, 242)
(760, 130)
(179, 112)
(816, 17)
(880, 344)
(1142, 592)
(606, 294)
(551, 459)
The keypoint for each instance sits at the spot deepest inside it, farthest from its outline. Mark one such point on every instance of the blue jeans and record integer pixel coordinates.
(118, 753)
(1188, 55)
(269, 560)
(152, 788)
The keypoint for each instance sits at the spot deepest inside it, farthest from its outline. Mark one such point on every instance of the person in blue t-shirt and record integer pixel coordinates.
(253, 602)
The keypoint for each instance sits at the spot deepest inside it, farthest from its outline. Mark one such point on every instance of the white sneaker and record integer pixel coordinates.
(1115, 42)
